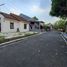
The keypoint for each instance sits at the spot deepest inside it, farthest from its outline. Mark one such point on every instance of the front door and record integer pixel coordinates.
(0, 27)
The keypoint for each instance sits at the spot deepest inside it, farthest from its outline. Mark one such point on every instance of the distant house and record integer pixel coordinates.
(13, 23)
(50, 26)
(34, 25)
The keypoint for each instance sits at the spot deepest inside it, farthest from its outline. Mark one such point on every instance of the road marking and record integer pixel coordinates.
(17, 40)
(64, 39)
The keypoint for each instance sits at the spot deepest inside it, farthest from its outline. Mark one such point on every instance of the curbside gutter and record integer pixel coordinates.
(64, 38)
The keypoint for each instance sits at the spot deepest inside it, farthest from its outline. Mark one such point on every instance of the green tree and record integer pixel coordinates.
(60, 24)
(55, 25)
(35, 18)
(59, 8)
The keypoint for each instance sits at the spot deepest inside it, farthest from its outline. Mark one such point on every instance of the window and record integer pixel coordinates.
(11, 25)
(25, 26)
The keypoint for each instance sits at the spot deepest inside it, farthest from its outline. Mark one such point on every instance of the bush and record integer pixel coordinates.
(2, 39)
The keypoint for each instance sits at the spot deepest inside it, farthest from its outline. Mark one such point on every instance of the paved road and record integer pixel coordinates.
(45, 50)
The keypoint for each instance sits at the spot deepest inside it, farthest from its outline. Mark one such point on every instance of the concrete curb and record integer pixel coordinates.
(18, 39)
(63, 38)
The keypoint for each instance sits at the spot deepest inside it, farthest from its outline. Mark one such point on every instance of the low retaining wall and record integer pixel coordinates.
(15, 34)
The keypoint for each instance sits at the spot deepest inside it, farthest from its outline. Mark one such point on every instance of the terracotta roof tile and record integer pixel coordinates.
(12, 16)
(17, 17)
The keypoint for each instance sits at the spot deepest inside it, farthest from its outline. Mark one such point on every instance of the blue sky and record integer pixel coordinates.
(39, 8)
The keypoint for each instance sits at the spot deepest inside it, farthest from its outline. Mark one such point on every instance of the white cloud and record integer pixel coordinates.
(51, 20)
(37, 9)
(54, 19)
(15, 11)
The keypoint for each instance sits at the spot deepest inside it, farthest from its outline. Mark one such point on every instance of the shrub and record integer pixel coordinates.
(2, 39)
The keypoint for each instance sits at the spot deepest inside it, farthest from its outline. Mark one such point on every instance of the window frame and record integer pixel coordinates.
(25, 26)
(11, 25)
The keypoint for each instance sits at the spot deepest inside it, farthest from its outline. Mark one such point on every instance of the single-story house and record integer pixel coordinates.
(13, 23)
(50, 26)
(34, 25)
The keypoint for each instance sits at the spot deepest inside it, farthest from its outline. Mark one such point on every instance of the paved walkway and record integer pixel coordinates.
(45, 50)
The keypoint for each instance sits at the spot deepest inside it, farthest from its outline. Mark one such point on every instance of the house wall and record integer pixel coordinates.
(5, 25)
(22, 26)
(35, 27)
(1, 21)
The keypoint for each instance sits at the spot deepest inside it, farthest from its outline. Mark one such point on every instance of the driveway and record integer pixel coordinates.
(44, 50)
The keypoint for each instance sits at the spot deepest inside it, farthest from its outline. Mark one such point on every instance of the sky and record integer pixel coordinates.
(38, 8)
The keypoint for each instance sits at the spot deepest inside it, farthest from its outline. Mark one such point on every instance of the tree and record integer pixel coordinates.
(59, 8)
(60, 24)
(35, 18)
(55, 25)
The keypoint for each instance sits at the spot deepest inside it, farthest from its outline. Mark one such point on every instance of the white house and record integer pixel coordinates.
(13, 23)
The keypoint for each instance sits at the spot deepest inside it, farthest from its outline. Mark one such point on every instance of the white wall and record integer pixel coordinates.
(22, 26)
(5, 25)
(1, 21)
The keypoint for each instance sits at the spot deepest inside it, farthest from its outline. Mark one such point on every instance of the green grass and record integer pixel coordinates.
(2, 39)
